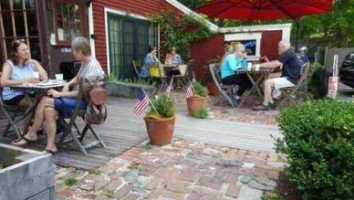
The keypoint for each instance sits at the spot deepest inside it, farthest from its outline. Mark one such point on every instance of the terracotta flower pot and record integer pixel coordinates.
(196, 103)
(160, 130)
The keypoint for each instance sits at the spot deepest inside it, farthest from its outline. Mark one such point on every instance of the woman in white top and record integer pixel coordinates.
(64, 102)
(18, 70)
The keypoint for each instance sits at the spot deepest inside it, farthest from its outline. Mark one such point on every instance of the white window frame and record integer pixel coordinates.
(247, 36)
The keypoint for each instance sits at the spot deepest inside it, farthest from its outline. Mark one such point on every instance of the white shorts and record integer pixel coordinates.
(282, 82)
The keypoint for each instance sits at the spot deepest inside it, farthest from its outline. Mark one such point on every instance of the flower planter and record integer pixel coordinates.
(160, 130)
(121, 89)
(196, 103)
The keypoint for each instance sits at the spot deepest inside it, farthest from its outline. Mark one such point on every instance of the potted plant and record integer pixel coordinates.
(199, 100)
(160, 120)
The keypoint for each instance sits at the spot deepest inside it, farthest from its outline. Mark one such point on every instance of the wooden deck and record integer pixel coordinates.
(120, 132)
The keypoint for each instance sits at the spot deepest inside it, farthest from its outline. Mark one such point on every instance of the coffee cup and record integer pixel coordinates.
(36, 75)
(59, 77)
(257, 66)
(249, 66)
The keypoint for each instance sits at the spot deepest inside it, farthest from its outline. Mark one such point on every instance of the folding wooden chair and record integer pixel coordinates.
(289, 93)
(137, 64)
(186, 75)
(72, 129)
(225, 90)
(10, 113)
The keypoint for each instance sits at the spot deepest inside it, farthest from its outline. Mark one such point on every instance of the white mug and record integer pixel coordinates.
(249, 66)
(257, 66)
(36, 75)
(59, 77)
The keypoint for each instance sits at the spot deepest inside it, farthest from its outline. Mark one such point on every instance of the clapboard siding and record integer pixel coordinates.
(144, 8)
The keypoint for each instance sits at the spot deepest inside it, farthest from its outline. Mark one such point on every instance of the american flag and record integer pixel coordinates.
(189, 92)
(169, 87)
(142, 103)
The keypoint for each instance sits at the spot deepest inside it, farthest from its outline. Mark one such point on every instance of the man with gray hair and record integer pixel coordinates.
(291, 67)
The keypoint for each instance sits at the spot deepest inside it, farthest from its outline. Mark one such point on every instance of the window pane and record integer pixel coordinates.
(20, 24)
(5, 4)
(68, 21)
(30, 3)
(35, 49)
(17, 4)
(7, 23)
(32, 23)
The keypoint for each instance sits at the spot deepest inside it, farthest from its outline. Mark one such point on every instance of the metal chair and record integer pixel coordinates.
(137, 64)
(10, 113)
(225, 90)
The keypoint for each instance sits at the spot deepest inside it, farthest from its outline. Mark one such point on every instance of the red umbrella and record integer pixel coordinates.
(250, 10)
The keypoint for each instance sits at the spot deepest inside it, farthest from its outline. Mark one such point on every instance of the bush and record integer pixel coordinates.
(318, 140)
(199, 89)
(163, 106)
(202, 114)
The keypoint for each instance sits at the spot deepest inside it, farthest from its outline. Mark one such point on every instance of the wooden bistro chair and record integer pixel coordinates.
(77, 135)
(289, 93)
(225, 90)
(186, 75)
(157, 74)
(137, 64)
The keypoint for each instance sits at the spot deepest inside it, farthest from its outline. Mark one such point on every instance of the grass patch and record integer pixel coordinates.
(148, 146)
(271, 196)
(96, 172)
(70, 181)
(202, 114)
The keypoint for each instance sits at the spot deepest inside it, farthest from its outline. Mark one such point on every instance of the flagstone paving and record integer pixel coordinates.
(185, 169)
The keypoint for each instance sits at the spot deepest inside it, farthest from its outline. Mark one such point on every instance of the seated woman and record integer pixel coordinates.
(229, 76)
(150, 59)
(18, 70)
(63, 102)
(172, 58)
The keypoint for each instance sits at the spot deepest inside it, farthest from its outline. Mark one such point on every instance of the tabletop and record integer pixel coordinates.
(260, 71)
(41, 85)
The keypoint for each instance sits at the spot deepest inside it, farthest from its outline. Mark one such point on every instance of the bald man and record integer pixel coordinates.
(291, 67)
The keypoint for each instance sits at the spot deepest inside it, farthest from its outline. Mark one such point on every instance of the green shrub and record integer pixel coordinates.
(199, 89)
(202, 114)
(112, 78)
(70, 181)
(319, 142)
(163, 106)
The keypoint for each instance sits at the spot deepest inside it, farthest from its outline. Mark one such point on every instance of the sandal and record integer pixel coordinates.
(51, 151)
(25, 142)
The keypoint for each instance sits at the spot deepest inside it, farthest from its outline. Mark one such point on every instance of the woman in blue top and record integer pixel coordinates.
(229, 76)
(150, 59)
(172, 58)
(20, 69)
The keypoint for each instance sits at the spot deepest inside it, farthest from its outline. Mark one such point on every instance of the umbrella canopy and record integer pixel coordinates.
(250, 10)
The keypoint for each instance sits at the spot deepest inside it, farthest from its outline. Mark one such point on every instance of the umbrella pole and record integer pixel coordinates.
(298, 30)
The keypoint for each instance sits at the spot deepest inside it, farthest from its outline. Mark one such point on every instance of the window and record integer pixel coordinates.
(18, 20)
(69, 21)
(250, 46)
(129, 39)
(251, 40)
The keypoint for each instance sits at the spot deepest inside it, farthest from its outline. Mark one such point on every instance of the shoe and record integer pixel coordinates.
(236, 102)
(262, 107)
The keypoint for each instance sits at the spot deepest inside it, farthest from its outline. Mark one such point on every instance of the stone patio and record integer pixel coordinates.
(183, 170)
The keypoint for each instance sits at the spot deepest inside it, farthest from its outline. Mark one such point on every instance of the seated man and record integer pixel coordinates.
(291, 68)
(229, 76)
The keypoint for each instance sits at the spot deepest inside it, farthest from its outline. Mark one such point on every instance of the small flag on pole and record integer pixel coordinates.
(169, 87)
(142, 103)
(189, 92)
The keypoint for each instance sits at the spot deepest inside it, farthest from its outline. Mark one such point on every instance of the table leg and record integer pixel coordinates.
(257, 83)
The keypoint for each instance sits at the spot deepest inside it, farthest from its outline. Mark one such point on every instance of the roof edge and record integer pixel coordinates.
(186, 10)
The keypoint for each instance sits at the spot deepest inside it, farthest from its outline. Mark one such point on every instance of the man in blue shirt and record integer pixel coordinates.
(229, 76)
(291, 67)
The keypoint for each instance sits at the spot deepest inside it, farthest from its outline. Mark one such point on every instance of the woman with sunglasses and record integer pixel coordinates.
(20, 69)
(229, 76)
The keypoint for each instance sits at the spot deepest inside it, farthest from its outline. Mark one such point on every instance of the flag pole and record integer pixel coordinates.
(170, 85)
(152, 105)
